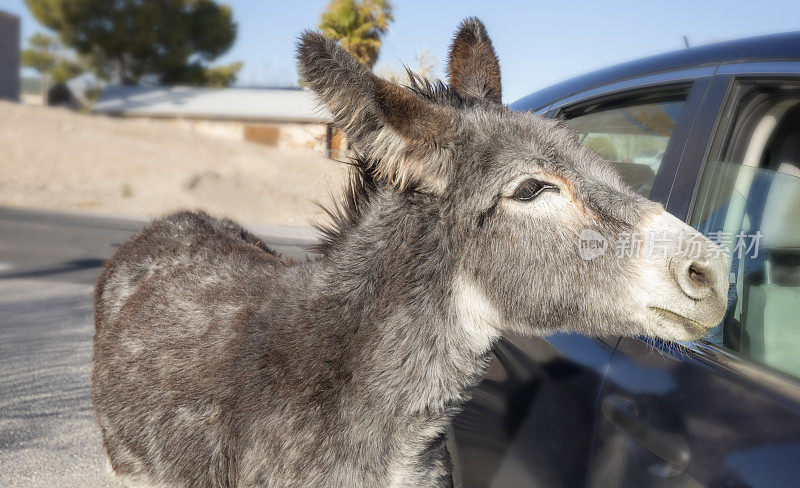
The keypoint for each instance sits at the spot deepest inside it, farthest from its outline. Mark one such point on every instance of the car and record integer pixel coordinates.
(712, 133)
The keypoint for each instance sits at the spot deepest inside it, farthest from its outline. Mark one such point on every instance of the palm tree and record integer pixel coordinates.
(358, 25)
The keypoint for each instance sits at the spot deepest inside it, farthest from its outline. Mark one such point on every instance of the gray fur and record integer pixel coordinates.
(218, 363)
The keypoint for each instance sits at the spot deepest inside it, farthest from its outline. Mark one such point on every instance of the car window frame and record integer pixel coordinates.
(715, 119)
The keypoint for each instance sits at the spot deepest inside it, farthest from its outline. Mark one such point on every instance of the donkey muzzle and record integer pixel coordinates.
(688, 279)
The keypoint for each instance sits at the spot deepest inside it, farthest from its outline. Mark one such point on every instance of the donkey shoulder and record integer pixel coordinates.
(193, 230)
(182, 243)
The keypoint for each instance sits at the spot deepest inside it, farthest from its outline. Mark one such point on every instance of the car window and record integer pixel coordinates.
(749, 203)
(632, 135)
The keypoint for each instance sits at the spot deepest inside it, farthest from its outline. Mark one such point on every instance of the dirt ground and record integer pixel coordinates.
(59, 160)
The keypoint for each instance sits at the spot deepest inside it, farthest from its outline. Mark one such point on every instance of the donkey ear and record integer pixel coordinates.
(473, 68)
(406, 134)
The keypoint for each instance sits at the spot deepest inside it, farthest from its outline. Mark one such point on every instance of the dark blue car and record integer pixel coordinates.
(713, 133)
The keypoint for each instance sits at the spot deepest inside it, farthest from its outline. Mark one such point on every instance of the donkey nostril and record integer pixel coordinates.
(698, 275)
(696, 278)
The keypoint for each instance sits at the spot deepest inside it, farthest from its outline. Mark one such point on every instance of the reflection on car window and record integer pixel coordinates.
(633, 137)
(752, 208)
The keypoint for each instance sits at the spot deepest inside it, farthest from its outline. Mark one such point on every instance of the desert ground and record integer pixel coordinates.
(54, 159)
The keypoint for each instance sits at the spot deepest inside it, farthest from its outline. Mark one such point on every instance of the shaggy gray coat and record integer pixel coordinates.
(218, 363)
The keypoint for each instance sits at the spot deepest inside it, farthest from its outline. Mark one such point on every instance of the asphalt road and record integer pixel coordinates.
(48, 265)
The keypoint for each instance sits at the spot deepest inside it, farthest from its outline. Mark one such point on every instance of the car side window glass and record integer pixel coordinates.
(749, 203)
(633, 135)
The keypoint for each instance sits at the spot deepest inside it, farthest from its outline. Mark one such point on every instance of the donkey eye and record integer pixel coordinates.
(530, 189)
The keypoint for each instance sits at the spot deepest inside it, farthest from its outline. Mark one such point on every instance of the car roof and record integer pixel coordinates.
(785, 46)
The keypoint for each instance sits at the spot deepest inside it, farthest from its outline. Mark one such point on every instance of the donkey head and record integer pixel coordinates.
(532, 219)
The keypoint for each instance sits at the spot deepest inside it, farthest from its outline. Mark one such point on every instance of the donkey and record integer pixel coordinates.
(218, 363)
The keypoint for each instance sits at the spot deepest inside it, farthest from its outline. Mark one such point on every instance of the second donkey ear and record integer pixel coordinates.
(403, 133)
(473, 68)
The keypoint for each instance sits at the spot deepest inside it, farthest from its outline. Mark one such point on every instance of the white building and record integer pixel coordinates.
(281, 117)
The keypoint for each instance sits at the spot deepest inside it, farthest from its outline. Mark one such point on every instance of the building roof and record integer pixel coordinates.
(785, 46)
(263, 104)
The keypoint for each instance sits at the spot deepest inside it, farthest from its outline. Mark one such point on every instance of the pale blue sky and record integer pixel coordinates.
(539, 43)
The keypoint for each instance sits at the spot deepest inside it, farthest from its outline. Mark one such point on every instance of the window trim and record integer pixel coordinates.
(688, 164)
(649, 81)
(761, 68)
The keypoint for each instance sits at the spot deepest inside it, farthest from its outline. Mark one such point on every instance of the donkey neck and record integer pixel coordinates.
(420, 330)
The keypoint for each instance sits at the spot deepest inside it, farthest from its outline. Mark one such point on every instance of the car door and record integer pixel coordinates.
(724, 411)
(531, 422)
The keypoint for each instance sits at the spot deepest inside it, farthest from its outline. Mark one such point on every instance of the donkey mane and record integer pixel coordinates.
(345, 213)
(439, 92)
